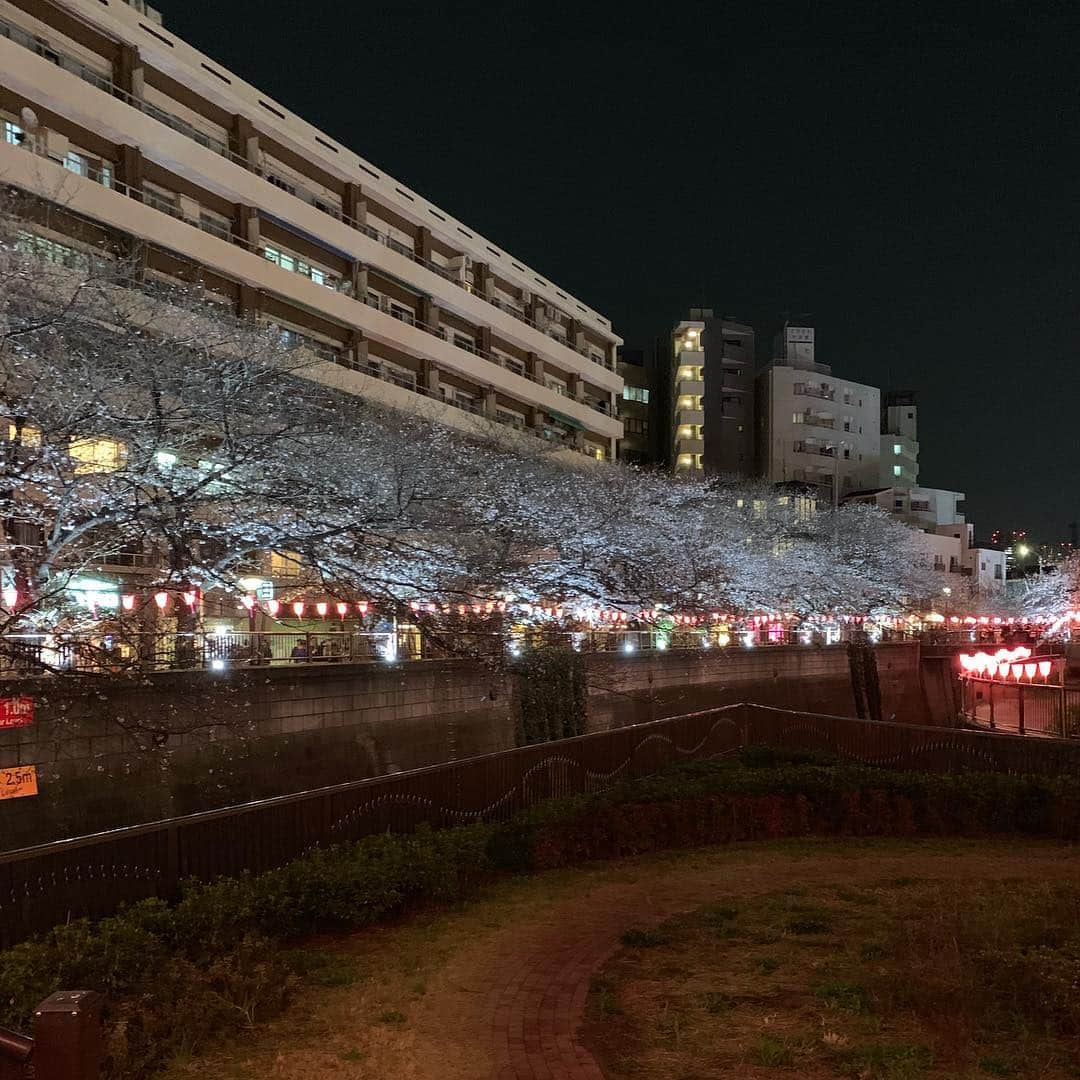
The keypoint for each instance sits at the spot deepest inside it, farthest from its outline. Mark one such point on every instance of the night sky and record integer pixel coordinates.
(906, 173)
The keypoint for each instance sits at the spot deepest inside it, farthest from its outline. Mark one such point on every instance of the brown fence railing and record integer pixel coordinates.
(94, 875)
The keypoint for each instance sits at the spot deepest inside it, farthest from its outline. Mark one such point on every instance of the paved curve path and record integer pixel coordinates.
(505, 986)
(516, 998)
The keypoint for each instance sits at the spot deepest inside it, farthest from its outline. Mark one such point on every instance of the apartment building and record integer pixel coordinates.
(643, 407)
(812, 427)
(713, 395)
(145, 144)
(899, 440)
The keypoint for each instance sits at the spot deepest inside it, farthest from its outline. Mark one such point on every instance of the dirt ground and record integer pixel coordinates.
(428, 999)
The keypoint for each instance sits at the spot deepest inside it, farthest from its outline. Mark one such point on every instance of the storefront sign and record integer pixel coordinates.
(18, 782)
(16, 712)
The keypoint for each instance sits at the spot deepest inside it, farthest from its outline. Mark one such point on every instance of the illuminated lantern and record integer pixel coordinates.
(1017, 671)
(342, 610)
(11, 597)
(191, 599)
(1029, 670)
(322, 607)
(127, 601)
(298, 608)
(362, 607)
(955, 619)
(162, 600)
(273, 607)
(414, 605)
(1044, 668)
(248, 602)
(997, 620)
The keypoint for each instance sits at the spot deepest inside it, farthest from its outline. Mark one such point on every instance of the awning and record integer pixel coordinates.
(568, 421)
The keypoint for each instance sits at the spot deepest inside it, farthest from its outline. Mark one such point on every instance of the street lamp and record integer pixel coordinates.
(1024, 550)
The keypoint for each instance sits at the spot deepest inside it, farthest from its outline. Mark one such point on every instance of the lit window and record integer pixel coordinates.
(798, 418)
(96, 455)
(164, 459)
(31, 436)
(641, 393)
(897, 448)
(13, 133)
(897, 470)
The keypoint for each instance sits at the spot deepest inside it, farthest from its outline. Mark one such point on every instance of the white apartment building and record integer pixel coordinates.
(813, 427)
(141, 143)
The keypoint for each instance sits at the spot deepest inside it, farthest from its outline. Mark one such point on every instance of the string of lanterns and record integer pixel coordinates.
(164, 599)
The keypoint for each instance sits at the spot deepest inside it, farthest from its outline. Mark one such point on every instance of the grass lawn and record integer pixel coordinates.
(815, 958)
(890, 977)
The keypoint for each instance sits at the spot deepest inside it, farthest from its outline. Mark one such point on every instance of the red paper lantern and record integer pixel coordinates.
(342, 610)
(162, 600)
(322, 607)
(362, 607)
(273, 607)
(11, 597)
(298, 608)
(191, 599)
(248, 602)
(127, 602)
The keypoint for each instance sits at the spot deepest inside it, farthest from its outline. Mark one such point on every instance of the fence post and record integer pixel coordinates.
(1020, 708)
(68, 1040)
(990, 695)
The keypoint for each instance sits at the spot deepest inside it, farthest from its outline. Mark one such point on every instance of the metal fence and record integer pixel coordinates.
(1047, 709)
(94, 875)
(216, 649)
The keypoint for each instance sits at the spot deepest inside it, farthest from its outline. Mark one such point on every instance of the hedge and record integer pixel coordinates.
(179, 977)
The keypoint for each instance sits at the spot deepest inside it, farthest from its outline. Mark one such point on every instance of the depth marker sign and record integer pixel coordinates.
(16, 712)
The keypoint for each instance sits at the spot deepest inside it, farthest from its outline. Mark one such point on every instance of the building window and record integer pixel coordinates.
(633, 426)
(96, 455)
(897, 470)
(897, 448)
(279, 183)
(636, 393)
(997, 571)
(76, 163)
(898, 504)
(13, 134)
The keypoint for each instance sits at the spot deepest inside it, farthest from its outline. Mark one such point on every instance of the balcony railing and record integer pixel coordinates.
(815, 391)
(810, 448)
(813, 420)
(313, 198)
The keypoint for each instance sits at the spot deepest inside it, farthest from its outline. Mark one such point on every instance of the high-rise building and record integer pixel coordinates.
(141, 143)
(899, 440)
(813, 427)
(713, 395)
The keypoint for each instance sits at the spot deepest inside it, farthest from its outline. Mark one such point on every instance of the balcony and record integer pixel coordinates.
(312, 198)
(814, 391)
(690, 416)
(814, 420)
(689, 446)
(815, 448)
(690, 387)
